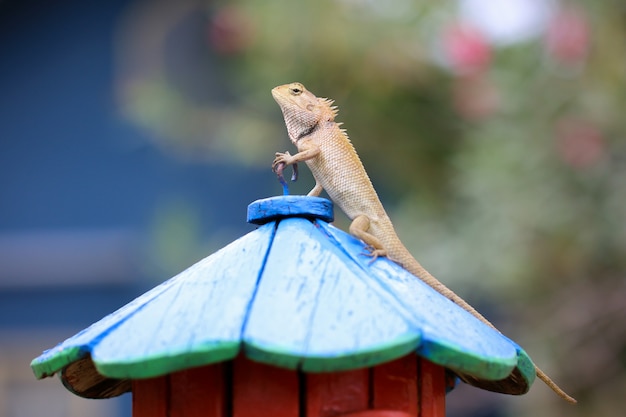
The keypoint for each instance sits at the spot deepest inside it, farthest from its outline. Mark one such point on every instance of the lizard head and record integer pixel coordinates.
(302, 111)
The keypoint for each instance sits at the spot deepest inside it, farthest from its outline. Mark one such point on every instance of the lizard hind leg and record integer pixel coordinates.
(359, 229)
(315, 191)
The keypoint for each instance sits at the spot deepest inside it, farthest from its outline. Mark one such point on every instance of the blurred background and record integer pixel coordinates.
(133, 134)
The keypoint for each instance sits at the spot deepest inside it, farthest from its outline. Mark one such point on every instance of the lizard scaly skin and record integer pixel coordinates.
(328, 152)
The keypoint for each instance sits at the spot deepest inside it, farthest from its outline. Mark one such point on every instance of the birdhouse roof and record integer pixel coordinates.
(296, 293)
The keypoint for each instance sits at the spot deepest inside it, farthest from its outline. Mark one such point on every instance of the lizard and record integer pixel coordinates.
(336, 167)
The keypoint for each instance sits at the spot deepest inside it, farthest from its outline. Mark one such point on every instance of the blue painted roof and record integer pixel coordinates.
(296, 293)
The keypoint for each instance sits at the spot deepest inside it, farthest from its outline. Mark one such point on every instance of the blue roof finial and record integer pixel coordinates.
(277, 208)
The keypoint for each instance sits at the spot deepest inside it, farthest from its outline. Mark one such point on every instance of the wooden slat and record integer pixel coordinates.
(449, 334)
(195, 322)
(150, 397)
(432, 390)
(261, 390)
(198, 392)
(318, 311)
(337, 393)
(395, 385)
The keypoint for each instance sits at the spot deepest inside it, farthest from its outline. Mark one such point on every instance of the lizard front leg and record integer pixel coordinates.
(359, 229)
(304, 154)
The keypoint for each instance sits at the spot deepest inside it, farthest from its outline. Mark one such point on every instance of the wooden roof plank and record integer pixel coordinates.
(451, 336)
(328, 318)
(198, 323)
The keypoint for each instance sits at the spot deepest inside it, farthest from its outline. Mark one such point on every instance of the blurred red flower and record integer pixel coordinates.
(466, 49)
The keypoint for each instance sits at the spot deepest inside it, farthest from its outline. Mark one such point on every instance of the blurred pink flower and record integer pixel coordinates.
(567, 37)
(466, 49)
(579, 143)
(230, 30)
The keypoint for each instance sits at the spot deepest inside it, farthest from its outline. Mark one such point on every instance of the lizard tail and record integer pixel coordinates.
(553, 386)
(418, 270)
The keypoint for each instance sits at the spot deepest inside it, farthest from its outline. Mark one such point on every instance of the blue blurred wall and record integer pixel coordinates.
(79, 186)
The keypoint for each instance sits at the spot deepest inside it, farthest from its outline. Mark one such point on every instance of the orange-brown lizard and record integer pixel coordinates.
(328, 152)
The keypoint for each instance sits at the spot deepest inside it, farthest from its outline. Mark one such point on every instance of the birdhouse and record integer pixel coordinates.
(292, 319)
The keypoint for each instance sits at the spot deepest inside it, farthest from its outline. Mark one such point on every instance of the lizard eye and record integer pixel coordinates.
(296, 90)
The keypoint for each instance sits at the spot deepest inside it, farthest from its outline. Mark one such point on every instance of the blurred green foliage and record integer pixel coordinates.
(502, 165)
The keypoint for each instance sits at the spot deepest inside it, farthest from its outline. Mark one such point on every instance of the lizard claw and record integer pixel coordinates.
(281, 158)
(374, 253)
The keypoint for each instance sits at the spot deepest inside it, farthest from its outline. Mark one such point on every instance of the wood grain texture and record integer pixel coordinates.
(377, 413)
(198, 392)
(395, 385)
(432, 390)
(337, 393)
(196, 322)
(192, 319)
(451, 336)
(263, 390)
(315, 310)
(81, 378)
(249, 389)
(151, 397)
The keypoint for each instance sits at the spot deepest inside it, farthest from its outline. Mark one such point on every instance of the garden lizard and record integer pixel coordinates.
(324, 146)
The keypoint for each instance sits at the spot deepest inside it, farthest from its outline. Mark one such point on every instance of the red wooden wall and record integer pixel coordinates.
(406, 387)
